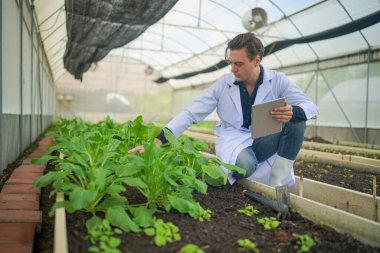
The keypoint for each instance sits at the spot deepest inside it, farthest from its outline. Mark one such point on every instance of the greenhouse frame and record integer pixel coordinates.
(329, 70)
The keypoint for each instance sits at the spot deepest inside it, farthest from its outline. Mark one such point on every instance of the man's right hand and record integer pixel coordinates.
(141, 148)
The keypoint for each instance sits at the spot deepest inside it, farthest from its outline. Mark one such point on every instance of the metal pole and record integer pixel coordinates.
(316, 98)
(21, 77)
(1, 87)
(367, 99)
(31, 73)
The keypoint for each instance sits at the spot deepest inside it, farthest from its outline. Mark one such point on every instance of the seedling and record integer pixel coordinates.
(248, 210)
(164, 232)
(248, 245)
(102, 236)
(190, 248)
(269, 223)
(305, 242)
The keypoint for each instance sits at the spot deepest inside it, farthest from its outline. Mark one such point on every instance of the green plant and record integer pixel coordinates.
(248, 245)
(101, 235)
(248, 210)
(190, 248)
(97, 169)
(269, 223)
(163, 232)
(305, 242)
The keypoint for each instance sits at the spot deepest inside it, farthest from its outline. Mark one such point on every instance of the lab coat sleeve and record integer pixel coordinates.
(295, 96)
(197, 110)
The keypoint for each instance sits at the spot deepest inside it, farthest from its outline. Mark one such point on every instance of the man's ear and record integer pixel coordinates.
(257, 60)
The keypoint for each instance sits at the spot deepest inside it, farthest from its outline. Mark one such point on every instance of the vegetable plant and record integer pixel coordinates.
(102, 236)
(163, 232)
(269, 222)
(190, 248)
(248, 210)
(305, 242)
(248, 245)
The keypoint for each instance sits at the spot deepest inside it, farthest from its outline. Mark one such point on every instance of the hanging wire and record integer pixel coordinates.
(60, 10)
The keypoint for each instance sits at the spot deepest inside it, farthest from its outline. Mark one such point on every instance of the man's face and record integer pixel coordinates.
(241, 66)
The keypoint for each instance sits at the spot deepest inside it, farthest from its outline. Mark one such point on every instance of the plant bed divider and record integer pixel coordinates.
(365, 230)
(347, 200)
(358, 163)
(60, 233)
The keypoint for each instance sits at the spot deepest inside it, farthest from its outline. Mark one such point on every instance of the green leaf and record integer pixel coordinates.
(50, 178)
(93, 222)
(149, 231)
(127, 170)
(81, 198)
(131, 181)
(113, 201)
(143, 216)
(188, 147)
(43, 160)
(119, 218)
(185, 206)
(234, 168)
(115, 189)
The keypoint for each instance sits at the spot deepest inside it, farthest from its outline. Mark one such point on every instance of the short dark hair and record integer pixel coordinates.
(249, 41)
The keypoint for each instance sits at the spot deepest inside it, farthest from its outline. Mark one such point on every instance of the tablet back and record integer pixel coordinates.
(262, 122)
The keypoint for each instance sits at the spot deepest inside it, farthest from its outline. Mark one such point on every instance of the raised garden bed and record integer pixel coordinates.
(84, 159)
(220, 234)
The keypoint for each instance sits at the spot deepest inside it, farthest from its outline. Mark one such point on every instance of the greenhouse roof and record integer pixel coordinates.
(191, 37)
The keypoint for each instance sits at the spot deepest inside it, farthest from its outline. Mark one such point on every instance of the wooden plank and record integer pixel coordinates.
(60, 233)
(363, 229)
(344, 199)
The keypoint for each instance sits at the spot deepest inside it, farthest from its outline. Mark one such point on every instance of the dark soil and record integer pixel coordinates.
(226, 226)
(335, 175)
(220, 234)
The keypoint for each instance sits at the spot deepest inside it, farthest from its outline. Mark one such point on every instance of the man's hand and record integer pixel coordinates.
(283, 113)
(141, 148)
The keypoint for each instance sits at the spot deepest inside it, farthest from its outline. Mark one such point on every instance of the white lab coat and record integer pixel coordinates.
(231, 137)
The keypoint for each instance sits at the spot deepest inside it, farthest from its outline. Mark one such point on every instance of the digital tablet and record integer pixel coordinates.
(262, 122)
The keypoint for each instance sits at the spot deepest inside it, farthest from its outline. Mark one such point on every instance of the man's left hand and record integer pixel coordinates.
(283, 113)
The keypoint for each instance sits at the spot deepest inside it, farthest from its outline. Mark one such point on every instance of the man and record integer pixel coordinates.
(233, 96)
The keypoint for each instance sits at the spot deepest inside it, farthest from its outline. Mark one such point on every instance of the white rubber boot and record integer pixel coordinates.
(281, 169)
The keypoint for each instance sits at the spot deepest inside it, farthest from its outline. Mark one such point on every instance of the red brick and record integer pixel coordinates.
(35, 155)
(30, 168)
(22, 233)
(19, 205)
(16, 248)
(20, 188)
(25, 175)
(18, 197)
(41, 148)
(46, 141)
(18, 216)
(19, 201)
(20, 181)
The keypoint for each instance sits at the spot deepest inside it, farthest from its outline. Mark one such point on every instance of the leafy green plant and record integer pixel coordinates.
(269, 222)
(248, 210)
(163, 232)
(190, 248)
(97, 169)
(248, 245)
(101, 235)
(305, 242)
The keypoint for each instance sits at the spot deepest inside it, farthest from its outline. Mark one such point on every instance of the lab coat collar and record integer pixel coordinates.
(266, 86)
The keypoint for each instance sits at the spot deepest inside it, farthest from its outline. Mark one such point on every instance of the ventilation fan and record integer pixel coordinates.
(254, 19)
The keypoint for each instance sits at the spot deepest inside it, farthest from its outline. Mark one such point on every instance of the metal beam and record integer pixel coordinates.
(1, 88)
(21, 76)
